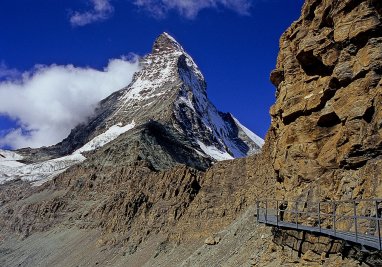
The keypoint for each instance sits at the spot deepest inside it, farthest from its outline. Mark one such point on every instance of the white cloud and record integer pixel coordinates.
(191, 8)
(7, 73)
(101, 10)
(51, 100)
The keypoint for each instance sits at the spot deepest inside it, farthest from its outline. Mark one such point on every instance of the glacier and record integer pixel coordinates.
(41, 172)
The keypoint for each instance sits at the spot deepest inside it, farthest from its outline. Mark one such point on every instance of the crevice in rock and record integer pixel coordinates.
(133, 207)
(354, 165)
(328, 120)
(312, 65)
(334, 83)
(378, 70)
(311, 15)
(327, 19)
(360, 41)
(358, 157)
(360, 75)
(350, 5)
(369, 114)
(377, 4)
(328, 94)
(363, 38)
(346, 82)
(292, 117)
(277, 77)
(193, 189)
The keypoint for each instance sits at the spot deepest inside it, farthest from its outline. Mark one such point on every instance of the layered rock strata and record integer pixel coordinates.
(327, 117)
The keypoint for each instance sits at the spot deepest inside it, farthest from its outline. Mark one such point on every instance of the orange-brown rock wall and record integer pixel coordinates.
(328, 115)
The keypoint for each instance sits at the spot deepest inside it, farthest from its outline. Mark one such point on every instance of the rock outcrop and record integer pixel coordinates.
(327, 117)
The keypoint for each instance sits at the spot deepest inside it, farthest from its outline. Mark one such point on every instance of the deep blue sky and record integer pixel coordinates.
(235, 52)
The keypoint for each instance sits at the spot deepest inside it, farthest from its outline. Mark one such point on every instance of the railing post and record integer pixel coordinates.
(334, 217)
(355, 221)
(377, 223)
(266, 211)
(319, 215)
(277, 212)
(296, 212)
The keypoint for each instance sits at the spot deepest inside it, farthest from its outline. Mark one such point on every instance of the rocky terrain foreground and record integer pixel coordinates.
(167, 191)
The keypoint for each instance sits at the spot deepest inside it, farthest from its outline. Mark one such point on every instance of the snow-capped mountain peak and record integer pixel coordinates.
(166, 43)
(169, 90)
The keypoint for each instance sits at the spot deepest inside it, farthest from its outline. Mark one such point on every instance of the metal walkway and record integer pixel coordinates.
(357, 221)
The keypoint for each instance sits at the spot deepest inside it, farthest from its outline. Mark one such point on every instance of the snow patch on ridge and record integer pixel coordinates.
(9, 159)
(99, 141)
(42, 171)
(39, 173)
(255, 138)
(214, 153)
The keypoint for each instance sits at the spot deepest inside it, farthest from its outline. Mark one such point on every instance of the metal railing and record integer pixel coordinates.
(357, 221)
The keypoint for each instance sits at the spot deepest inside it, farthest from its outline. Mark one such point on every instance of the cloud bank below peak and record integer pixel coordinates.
(49, 101)
(190, 8)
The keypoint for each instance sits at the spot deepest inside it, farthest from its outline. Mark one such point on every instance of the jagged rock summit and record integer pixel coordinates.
(165, 108)
(166, 42)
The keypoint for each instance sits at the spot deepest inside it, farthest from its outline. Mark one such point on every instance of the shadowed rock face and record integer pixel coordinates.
(328, 113)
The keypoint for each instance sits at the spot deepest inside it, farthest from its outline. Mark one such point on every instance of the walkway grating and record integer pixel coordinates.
(357, 221)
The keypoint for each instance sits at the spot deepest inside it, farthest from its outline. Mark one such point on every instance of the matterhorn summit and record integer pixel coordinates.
(163, 117)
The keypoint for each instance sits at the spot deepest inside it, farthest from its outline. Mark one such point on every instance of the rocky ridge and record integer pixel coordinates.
(327, 117)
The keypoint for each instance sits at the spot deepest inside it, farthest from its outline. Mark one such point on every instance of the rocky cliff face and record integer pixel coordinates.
(327, 117)
(130, 201)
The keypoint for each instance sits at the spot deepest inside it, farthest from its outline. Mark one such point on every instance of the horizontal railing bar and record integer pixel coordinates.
(372, 217)
(350, 236)
(298, 214)
(350, 201)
